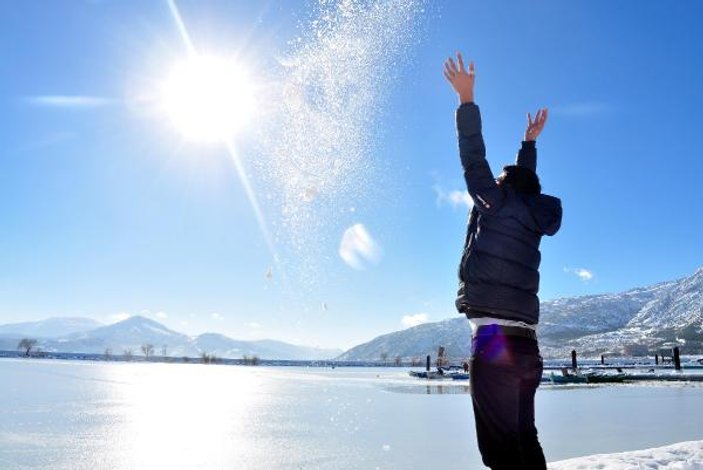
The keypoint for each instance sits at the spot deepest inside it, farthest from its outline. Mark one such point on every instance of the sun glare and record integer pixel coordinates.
(208, 98)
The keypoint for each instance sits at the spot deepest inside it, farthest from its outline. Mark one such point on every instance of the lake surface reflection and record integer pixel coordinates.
(82, 415)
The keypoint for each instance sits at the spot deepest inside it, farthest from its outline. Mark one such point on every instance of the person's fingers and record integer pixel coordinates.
(447, 76)
(460, 59)
(545, 114)
(472, 69)
(452, 65)
(529, 120)
(448, 69)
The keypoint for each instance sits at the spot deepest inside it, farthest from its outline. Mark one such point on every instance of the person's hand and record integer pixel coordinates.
(462, 80)
(534, 128)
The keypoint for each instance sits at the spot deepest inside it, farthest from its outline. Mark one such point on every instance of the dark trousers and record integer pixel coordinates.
(505, 372)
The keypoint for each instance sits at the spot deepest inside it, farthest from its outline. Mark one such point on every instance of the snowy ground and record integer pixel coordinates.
(681, 456)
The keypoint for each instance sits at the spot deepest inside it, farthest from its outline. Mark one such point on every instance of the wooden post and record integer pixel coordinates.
(677, 359)
(602, 359)
(574, 365)
(656, 359)
(428, 362)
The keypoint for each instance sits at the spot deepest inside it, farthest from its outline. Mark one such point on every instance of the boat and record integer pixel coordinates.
(567, 377)
(439, 375)
(601, 377)
(431, 375)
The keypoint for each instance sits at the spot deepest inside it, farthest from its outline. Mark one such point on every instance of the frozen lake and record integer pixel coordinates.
(83, 415)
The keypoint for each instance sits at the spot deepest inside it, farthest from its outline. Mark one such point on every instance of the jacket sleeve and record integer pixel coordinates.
(527, 155)
(484, 190)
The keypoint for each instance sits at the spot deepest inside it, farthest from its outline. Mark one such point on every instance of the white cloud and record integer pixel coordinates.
(69, 101)
(584, 274)
(253, 324)
(161, 315)
(455, 197)
(118, 317)
(414, 320)
(357, 247)
(217, 316)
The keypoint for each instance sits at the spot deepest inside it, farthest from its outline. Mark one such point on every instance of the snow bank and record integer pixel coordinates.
(681, 456)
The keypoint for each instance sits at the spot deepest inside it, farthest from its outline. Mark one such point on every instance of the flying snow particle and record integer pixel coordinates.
(310, 194)
(357, 247)
(322, 132)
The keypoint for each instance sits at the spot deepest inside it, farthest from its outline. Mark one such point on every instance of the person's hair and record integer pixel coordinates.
(521, 179)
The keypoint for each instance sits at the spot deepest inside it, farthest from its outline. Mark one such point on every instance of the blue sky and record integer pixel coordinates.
(107, 211)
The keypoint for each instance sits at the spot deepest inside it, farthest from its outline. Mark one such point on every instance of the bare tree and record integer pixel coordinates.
(27, 344)
(147, 350)
(108, 354)
(250, 360)
(442, 359)
(127, 353)
(398, 360)
(208, 358)
(164, 350)
(384, 357)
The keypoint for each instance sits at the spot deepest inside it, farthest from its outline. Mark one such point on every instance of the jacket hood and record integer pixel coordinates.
(538, 212)
(546, 210)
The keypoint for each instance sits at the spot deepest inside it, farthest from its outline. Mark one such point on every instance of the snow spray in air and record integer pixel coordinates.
(319, 165)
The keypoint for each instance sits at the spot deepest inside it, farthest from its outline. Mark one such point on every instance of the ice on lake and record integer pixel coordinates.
(84, 415)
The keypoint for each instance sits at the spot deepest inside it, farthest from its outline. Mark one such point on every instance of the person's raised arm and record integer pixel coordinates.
(527, 155)
(480, 182)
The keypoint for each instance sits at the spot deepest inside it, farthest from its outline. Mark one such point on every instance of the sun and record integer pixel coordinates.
(208, 98)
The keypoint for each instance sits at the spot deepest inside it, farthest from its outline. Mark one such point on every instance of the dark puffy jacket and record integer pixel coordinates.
(499, 271)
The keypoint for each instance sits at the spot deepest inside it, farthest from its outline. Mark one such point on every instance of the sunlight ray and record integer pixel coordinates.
(231, 149)
(181, 26)
(251, 195)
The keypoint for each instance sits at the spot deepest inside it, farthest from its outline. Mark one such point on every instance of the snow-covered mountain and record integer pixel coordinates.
(50, 328)
(223, 346)
(131, 334)
(574, 317)
(415, 343)
(637, 321)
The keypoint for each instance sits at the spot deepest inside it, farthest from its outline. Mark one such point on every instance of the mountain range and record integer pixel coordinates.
(636, 322)
(50, 328)
(82, 335)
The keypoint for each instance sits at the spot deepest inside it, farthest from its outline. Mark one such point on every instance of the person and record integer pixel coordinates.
(499, 281)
